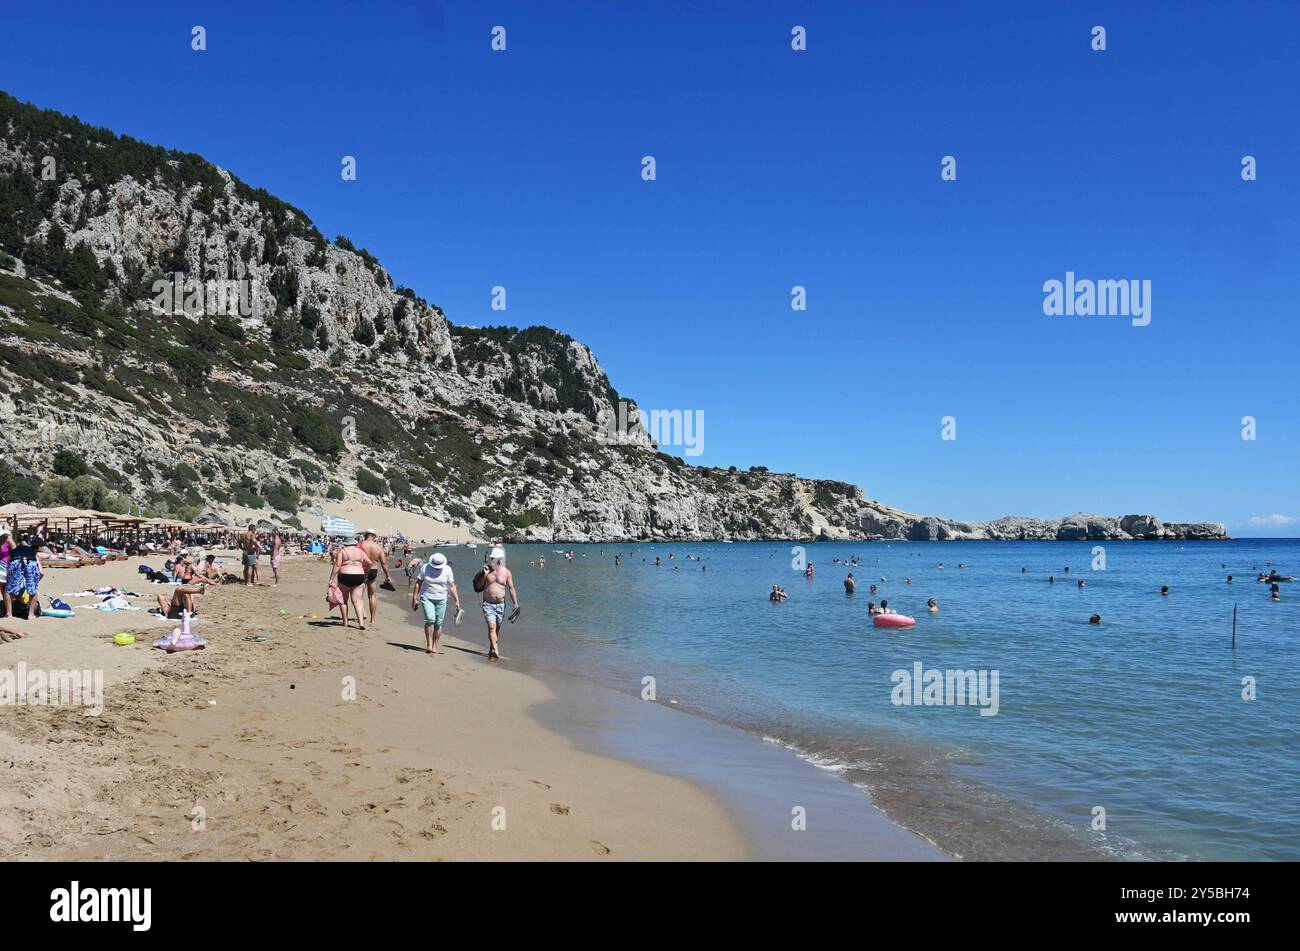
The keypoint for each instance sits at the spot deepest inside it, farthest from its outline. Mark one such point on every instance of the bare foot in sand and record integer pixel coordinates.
(494, 657)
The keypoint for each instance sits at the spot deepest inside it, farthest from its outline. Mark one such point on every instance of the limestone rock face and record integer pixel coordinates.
(290, 370)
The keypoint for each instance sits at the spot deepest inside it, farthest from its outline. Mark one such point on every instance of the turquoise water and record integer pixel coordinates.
(1142, 716)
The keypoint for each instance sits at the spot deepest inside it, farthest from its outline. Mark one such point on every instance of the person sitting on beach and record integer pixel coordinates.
(182, 600)
(182, 571)
(213, 572)
(849, 584)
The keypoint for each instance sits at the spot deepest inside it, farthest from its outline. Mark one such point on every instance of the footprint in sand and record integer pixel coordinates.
(559, 810)
(599, 848)
(538, 782)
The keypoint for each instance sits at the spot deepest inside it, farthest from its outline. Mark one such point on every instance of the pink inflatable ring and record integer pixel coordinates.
(893, 620)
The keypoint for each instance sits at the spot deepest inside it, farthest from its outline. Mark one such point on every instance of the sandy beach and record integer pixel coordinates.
(315, 743)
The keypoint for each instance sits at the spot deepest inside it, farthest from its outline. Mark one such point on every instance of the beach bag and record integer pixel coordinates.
(334, 595)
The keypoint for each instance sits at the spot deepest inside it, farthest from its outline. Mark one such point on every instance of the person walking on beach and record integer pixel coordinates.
(277, 549)
(351, 563)
(414, 568)
(436, 583)
(248, 545)
(494, 580)
(375, 552)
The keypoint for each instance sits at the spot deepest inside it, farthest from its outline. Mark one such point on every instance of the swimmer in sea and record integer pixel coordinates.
(872, 609)
(1095, 619)
(1082, 582)
(933, 606)
(885, 608)
(1164, 590)
(849, 584)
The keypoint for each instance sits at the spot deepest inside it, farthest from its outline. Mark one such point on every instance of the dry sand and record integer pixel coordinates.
(383, 519)
(257, 750)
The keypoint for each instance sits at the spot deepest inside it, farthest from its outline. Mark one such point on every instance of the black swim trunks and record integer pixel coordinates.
(372, 574)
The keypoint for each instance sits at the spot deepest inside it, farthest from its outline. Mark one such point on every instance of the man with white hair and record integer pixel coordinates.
(436, 583)
(493, 581)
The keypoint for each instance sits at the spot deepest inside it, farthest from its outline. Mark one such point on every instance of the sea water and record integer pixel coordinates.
(1147, 736)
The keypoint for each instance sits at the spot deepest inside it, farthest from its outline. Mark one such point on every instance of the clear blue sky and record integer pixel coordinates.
(778, 168)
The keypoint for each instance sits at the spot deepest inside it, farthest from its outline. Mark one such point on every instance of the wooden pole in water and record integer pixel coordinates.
(1234, 625)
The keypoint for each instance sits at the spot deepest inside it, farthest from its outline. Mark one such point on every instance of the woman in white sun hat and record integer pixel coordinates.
(437, 584)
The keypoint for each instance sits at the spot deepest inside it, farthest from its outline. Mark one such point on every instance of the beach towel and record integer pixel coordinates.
(115, 603)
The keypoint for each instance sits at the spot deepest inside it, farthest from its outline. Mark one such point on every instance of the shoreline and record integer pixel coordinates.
(247, 751)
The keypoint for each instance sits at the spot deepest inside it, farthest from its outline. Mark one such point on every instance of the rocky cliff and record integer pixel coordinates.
(191, 343)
